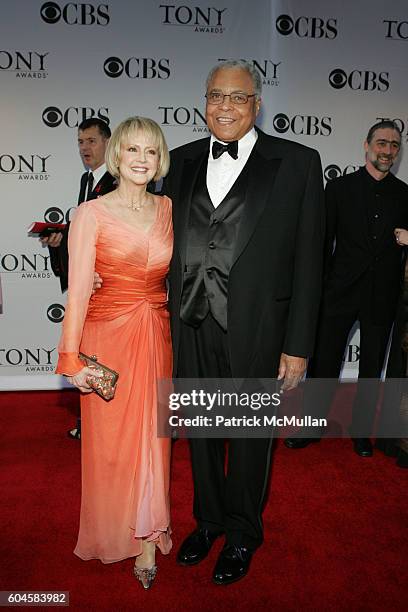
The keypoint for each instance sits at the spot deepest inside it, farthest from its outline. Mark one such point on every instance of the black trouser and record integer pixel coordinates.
(225, 500)
(333, 331)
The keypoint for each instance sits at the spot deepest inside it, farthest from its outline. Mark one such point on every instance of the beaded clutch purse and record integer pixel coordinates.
(105, 385)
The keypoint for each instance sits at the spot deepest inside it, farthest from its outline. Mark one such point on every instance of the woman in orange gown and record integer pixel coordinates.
(127, 237)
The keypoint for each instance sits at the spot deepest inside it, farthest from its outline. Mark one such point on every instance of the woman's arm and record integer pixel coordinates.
(82, 253)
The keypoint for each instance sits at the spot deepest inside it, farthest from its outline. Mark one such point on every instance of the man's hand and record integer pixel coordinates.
(53, 240)
(97, 282)
(291, 369)
(401, 236)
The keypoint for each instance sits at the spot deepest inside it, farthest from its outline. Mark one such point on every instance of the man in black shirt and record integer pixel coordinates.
(363, 275)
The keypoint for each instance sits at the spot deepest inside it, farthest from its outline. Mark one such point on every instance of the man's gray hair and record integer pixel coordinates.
(241, 65)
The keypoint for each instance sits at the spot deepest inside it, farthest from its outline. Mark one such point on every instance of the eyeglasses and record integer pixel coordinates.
(236, 97)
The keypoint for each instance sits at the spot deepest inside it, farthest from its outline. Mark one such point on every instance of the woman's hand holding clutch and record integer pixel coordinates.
(79, 380)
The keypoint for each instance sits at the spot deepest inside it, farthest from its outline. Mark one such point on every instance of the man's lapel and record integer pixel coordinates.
(265, 161)
(103, 186)
(82, 188)
(181, 210)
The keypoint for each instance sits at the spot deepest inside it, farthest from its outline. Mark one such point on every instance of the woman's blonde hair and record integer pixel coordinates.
(122, 134)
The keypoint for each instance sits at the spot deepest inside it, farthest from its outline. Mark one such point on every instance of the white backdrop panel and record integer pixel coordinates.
(330, 70)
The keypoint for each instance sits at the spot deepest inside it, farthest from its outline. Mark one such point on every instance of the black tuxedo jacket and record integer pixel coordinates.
(275, 278)
(59, 255)
(356, 254)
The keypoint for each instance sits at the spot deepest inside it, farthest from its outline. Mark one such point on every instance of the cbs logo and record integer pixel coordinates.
(75, 14)
(333, 171)
(56, 215)
(306, 125)
(137, 67)
(55, 313)
(307, 27)
(52, 116)
(365, 80)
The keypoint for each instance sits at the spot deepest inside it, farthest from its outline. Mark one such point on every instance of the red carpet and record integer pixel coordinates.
(335, 526)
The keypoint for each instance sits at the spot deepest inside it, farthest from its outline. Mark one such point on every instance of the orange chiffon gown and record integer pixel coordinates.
(125, 467)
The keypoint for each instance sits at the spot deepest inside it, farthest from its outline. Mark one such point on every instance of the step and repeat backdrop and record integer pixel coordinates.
(329, 71)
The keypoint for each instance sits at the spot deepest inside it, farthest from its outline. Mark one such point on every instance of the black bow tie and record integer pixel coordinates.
(218, 149)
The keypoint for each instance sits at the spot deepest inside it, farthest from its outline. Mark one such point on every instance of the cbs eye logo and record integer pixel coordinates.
(55, 313)
(338, 78)
(54, 215)
(281, 123)
(284, 25)
(113, 67)
(50, 12)
(52, 116)
(331, 172)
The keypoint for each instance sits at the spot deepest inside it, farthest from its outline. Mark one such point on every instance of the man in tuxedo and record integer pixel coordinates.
(93, 138)
(363, 278)
(245, 282)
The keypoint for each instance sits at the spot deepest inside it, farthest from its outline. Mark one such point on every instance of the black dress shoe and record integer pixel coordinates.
(363, 447)
(196, 547)
(232, 565)
(402, 460)
(388, 446)
(299, 442)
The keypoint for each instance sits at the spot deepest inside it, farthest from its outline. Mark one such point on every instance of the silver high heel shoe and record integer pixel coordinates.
(146, 575)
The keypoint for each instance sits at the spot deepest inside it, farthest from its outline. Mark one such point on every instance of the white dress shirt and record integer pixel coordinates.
(224, 171)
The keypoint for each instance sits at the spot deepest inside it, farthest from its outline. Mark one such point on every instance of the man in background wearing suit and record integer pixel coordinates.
(245, 281)
(93, 138)
(363, 278)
